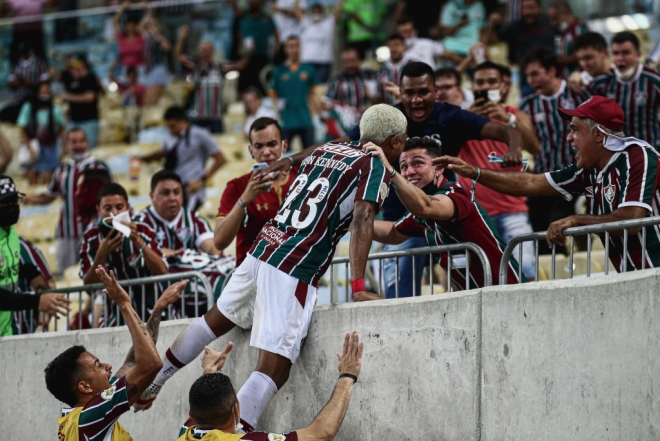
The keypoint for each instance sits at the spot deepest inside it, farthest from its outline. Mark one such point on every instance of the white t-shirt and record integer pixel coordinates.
(262, 111)
(316, 39)
(287, 26)
(424, 50)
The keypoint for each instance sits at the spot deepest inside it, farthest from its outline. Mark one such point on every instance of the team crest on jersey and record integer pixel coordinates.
(611, 96)
(539, 117)
(276, 437)
(108, 393)
(303, 76)
(609, 192)
(641, 98)
(160, 236)
(384, 190)
(183, 234)
(569, 103)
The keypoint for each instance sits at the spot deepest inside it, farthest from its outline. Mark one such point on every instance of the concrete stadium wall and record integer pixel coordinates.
(562, 360)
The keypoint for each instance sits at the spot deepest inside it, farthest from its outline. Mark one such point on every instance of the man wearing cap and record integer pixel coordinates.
(617, 174)
(11, 270)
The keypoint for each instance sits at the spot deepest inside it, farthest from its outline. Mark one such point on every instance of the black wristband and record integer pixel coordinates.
(351, 376)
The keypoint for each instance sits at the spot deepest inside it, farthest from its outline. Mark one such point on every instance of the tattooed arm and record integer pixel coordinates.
(147, 362)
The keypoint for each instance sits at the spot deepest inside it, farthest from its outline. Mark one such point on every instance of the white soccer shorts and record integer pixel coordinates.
(276, 305)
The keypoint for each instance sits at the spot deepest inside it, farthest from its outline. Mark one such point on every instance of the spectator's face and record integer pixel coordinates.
(132, 76)
(95, 377)
(317, 11)
(266, 145)
(625, 56)
(407, 30)
(540, 78)
(530, 11)
(506, 87)
(251, 102)
(77, 142)
(418, 97)
(176, 127)
(350, 62)
(587, 144)
(397, 49)
(255, 5)
(292, 49)
(592, 61)
(112, 205)
(44, 91)
(448, 91)
(167, 199)
(553, 14)
(486, 79)
(131, 28)
(206, 52)
(416, 167)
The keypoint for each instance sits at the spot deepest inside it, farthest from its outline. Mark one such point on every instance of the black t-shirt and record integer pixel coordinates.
(450, 125)
(79, 112)
(522, 37)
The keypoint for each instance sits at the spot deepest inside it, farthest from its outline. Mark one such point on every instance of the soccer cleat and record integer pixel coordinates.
(147, 398)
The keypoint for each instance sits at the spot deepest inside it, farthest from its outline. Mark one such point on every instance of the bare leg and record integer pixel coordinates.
(275, 366)
(219, 324)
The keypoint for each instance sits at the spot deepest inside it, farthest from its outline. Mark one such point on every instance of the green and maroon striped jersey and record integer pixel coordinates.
(630, 179)
(550, 128)
(63, 184)
(565, 44)
(318, 209)
(639, 98)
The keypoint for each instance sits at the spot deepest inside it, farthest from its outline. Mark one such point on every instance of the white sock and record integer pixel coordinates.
(254, 396)
(186, 347)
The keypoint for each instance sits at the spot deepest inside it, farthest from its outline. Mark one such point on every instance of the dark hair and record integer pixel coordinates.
(111, 189)
(61, 375)
(211, 399)
(505, 70)
(562, 5)
(624, 36)
(131, 70)
(417, 69)
(253, 90)
(164, 175)
(405, 20)
(488, 65)
(76, 129)
(449, 72)
(545, 57)
(261, 123)
(351, 49)
(427, 143)
(395, 36)
(35, 105)
(175, 112)
(293, 37)
(592, 40)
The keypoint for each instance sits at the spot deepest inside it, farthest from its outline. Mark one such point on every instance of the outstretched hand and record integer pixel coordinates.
(171, 294)
(213, 361)
(456, 165)
(112, 288)
(350, 360)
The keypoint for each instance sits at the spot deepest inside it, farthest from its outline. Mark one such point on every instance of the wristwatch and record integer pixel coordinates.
(513, 119)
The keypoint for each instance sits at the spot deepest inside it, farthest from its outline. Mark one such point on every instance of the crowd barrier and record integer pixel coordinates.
(457, 257)
(138, 289)
(571, 234)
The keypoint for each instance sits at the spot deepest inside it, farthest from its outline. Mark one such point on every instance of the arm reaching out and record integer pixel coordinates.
(147, 361)
(327, 423)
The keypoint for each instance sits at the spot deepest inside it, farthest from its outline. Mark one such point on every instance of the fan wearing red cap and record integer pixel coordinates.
(618, 175)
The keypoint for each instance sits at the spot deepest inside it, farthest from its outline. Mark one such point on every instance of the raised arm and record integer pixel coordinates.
(147, 362)
(327, 423)
(169, 296)
(524, 125)
(362, 233)
(513, 183)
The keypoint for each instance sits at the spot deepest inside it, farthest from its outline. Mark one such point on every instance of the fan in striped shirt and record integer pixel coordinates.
(349, 88)
(618, 175)
(568, 29)
(185, 238)
(389, 74)
(635, 87)
(64, 184)
(97, 398)
(541, 68)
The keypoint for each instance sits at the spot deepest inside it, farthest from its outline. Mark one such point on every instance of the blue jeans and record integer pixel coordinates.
(405, 269)
(91, 129)
(510, 225)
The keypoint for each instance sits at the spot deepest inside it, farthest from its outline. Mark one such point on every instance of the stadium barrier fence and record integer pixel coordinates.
(138, 289)
(602, 230)
(458, 257)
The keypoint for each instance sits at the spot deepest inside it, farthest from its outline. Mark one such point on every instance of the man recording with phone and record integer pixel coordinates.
(248, 203)
(509, 213)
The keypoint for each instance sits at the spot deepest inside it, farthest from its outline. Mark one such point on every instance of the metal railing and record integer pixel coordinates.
(138, 290)
(452, 252)
(602, 230)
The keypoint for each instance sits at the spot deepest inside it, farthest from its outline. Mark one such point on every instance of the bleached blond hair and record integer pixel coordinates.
(380, 122)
